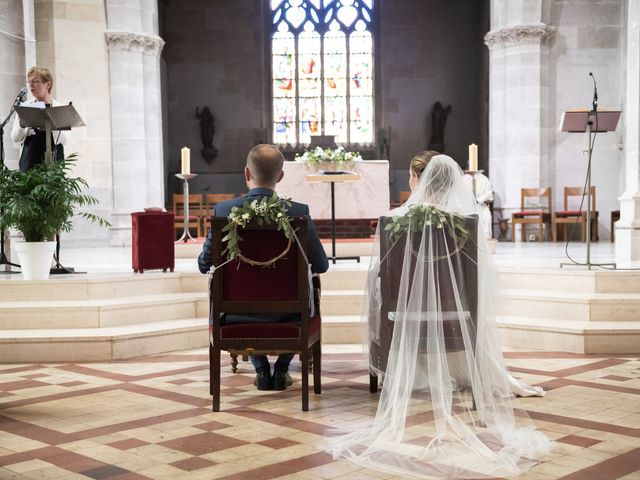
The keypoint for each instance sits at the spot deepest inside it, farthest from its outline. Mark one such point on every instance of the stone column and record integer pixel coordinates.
(628, 227)
(136, 117)
(518, 111)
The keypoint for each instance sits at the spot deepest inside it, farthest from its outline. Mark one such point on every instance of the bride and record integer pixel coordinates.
(447, 407)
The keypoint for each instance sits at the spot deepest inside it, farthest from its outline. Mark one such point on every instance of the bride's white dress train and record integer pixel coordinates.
(442, 413)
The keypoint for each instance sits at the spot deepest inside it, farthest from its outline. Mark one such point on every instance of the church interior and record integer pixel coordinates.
(105, 368)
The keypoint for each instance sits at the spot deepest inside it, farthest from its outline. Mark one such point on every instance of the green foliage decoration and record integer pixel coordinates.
(339, 156)
(420, 216)
(42, 201)
(266, 211)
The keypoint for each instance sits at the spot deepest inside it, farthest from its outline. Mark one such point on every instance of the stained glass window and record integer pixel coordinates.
(322, 69)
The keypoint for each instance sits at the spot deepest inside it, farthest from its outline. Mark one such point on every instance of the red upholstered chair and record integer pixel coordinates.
(538, 214)
(152, 244)
(566, 216)
(282, 288)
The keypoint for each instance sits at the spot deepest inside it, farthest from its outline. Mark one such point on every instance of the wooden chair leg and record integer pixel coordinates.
(215, 380)
(583, 233)
(513, 231)
(304, 357)
(317, 368)
(541, 228)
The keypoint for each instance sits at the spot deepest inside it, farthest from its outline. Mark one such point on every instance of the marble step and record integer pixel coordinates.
(82, 287)
(576, 336)
(567, 305)
(569, 279)
(343, 329)
(342, 302)
(102, 313)
(102, 344)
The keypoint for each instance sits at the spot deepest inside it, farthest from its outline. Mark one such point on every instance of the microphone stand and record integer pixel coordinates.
(3, 257)
(593, 114)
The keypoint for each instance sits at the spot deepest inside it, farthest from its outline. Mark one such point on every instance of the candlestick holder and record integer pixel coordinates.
(185, 177)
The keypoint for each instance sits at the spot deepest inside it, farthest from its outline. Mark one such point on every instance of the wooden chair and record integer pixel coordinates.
(565, 217)
(466, 273)
(615, 216)
(532, 215)
(210, 199)
(238, 288)
(195, 212)
(404, 195)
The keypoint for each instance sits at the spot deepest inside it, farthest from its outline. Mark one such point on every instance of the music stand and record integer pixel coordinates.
(590, 121)
(64, 117)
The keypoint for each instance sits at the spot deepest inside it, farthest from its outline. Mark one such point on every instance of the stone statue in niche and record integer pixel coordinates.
(207, 130)
(439, 116)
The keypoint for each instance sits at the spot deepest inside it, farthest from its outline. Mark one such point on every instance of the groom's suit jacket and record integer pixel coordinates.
(316, 253)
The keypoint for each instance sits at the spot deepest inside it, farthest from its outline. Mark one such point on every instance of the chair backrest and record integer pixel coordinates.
(239, 287)
(195, 204)
(465, 269)
(578, 192)
(212, 198)
(404, 195)
(536, 198)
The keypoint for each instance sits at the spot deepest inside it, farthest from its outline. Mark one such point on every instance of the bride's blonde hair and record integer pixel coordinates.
(420, 161)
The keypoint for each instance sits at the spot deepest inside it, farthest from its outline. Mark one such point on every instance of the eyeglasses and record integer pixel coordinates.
(34, 82)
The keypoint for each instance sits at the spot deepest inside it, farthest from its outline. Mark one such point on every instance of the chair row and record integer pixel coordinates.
(536, 209)
(200, 209)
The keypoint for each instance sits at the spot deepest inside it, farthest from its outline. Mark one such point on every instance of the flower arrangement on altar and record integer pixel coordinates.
(420, 216)
(266, 211)
(339, 156)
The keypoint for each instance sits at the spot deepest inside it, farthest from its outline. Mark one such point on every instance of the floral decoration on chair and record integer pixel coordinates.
(420, 216)
(267, 211)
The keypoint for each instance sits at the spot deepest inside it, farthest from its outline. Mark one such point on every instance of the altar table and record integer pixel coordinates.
(367, 198)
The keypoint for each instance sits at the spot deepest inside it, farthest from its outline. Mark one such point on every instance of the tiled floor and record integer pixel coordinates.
(151, 418)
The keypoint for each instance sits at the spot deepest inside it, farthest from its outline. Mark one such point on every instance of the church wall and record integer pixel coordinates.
(12, 69)
(589, 38)
(432, 51)
(215, 55)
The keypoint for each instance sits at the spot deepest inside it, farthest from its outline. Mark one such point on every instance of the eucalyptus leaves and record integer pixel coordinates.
(266, 211)
(338, 156)
(420, 216)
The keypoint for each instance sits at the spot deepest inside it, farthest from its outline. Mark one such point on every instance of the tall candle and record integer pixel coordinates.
(186, 160)
(473, 157)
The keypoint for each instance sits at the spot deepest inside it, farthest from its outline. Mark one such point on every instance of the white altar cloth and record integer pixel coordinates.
(366, 198)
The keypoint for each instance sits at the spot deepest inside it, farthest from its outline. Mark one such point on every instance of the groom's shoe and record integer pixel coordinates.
(281, 380)
(263, 381)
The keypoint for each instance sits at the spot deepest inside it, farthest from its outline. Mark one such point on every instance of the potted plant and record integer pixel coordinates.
(40, 203)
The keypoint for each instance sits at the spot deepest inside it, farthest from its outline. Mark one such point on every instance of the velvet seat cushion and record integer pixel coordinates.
(268, 330)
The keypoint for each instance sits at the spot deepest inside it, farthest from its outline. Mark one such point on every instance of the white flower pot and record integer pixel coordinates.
(35, 259)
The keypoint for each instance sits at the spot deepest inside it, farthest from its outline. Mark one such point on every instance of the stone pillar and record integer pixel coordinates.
(136, 116)
(628, 227)
(518, 110)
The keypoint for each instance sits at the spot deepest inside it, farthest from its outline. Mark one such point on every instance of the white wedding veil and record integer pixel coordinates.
(446, 407)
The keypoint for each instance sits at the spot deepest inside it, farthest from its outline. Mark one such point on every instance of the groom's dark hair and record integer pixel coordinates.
(265, 164)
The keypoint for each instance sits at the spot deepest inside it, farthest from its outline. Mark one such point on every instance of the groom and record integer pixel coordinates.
(262, 172)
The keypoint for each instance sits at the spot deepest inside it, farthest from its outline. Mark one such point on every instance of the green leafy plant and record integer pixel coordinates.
(420, 216)
(338, 156)
(266, 211)
(42, 201)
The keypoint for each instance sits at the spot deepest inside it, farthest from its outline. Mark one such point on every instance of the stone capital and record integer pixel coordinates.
(538, 34)
(134, 42)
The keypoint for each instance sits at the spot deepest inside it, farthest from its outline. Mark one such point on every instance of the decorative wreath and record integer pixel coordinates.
(420, 216)
(266, 211)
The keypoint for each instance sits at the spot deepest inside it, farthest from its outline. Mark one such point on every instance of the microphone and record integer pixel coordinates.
(21, 95)
(595, 92)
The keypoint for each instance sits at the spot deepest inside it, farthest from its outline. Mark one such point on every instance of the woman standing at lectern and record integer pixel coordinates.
(40, 82)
